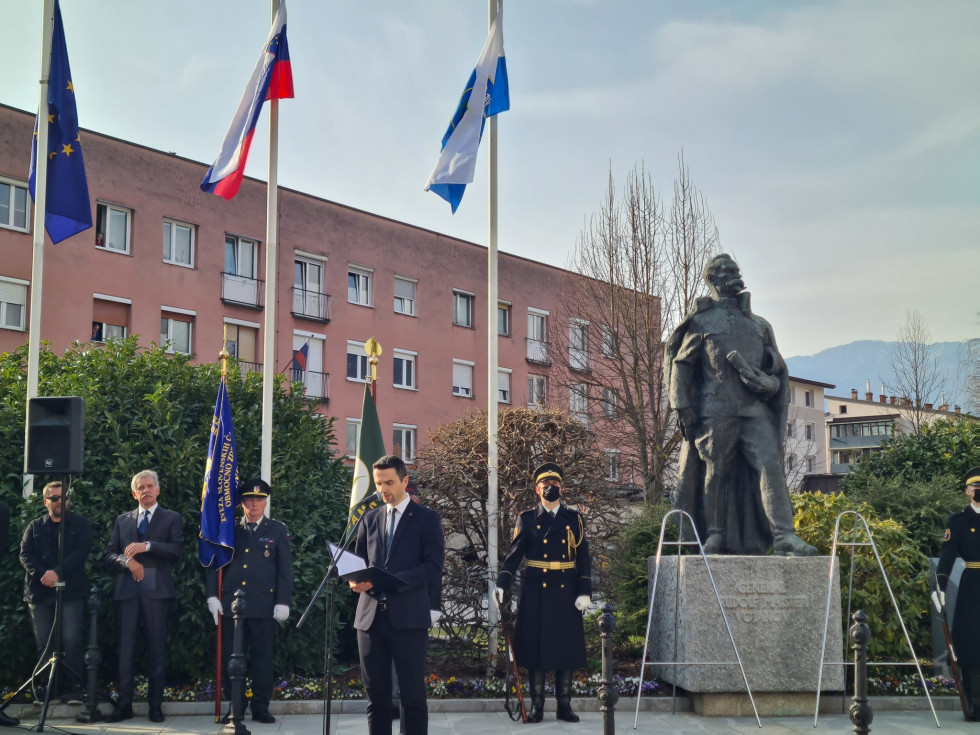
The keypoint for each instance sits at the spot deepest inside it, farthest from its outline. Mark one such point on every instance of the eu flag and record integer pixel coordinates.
(219, 498)
(68, 210)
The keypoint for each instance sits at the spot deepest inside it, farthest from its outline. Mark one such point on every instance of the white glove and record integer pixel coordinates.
(582, 602)
(499, 594)
(214, 605)
(280, 613)
(434, 617)
(939, 600)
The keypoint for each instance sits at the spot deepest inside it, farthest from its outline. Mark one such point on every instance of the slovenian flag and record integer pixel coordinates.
(486, 94)
(272, 79)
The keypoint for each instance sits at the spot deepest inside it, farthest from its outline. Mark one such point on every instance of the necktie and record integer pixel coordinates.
(390, 530)
(144, 523)
(251, 527)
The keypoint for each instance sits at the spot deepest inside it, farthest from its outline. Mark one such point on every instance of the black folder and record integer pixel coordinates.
(380, 579)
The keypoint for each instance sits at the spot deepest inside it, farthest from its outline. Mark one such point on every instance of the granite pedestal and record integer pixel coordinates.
(776, 608)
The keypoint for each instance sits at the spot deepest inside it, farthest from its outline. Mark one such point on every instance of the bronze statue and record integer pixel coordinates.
(730, 388)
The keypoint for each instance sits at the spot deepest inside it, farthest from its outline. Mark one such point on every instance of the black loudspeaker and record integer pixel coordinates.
(55, 435)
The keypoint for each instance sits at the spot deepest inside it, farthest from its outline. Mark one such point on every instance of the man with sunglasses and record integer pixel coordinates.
(39, 556)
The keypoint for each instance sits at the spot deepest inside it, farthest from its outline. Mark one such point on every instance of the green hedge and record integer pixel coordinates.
(148, 409)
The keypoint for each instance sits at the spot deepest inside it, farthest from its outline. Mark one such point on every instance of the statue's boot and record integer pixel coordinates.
(792, 545)
(535, 682)
(715, 544)
(563, 693)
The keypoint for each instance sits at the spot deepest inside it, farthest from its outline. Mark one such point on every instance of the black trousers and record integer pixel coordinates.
(379, 647)
(72, 634)
(141, 618)
(258, 645)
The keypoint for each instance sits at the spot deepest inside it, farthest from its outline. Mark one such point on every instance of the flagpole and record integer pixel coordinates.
(271, 275)
(223, 356)
(492, 357)
(40, 207)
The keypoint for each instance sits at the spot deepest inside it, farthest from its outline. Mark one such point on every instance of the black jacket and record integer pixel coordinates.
(39, 553)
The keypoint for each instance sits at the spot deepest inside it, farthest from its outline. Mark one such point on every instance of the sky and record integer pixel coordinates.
(837, 143)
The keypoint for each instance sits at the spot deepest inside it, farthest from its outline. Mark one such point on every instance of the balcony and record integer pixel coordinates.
(249, 367)
(242, 291)
(317, 385)
(537, 352)
(311, 305)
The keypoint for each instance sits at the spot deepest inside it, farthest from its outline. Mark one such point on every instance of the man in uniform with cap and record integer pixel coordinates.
(557, 588)
(962, 539)
(263, 568)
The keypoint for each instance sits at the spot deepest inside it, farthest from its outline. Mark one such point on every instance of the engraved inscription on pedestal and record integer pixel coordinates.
(776, 608)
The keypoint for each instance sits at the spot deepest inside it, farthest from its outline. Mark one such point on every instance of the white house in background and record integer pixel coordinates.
(857, 427)
(806, 441)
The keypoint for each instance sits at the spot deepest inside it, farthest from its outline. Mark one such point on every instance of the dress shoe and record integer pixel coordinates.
(121, 713)
(8, 721)
(156, 715)
(263, 717)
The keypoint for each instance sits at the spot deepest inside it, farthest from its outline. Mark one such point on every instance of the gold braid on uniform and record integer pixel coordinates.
(572, 543)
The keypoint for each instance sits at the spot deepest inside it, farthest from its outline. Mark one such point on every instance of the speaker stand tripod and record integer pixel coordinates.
(53, 650)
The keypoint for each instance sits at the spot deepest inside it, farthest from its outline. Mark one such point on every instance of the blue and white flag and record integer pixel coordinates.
(486, 94)
(219, 496)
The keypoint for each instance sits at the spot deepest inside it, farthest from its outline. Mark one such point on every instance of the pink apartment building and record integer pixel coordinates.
(166, 261)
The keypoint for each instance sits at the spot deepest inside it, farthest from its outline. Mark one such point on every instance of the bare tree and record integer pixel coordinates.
(917, 376)
(642, 265)
(798, 448)
(969, 373)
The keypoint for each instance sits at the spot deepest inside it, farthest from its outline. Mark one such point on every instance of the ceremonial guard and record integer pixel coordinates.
(962, 539)
(263, 568)
(549, 634)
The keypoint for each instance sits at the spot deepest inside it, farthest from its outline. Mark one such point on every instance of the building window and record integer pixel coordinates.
(309, 298)
(110, 317)
(463, 378)
(403, 442)
(176, 332)
(578, 403)
(112, 228)
(842, 409)
(503, 319)
(809, 432)
(241, 342)
(609, 407)
(353, 437)
(790, 429)
(611, 457)
(503, 385)
(537, 331)
(359, 285)
(810, 465)
(535, 391)
(13, 205)
(13, 303)
(609, 341)
(240, 256)
(405, 295)
(404, 369)
(790, 461)
(808, 398)
(578, 345)
(462, 309)
(357, 361)
(178, 243)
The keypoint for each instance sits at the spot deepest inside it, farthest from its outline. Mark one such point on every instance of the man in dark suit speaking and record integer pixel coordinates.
(406, 540)
(144, 544)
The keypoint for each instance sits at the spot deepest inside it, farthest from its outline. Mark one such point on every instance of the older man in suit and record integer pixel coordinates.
(144, 544)
(406, 540)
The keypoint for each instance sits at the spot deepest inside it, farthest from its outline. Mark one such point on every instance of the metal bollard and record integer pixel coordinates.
(608, 693)
(860, 711)
(237, 665)
(93, 657)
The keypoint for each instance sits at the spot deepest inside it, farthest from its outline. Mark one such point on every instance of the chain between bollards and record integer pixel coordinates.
(608, 693)
(860, 711)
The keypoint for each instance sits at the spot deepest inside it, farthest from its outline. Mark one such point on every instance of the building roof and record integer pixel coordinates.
(811, 382)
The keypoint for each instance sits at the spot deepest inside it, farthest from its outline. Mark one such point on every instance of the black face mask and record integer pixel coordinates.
(551, 493)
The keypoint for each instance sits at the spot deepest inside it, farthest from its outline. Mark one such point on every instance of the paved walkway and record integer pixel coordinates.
(498, 723)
